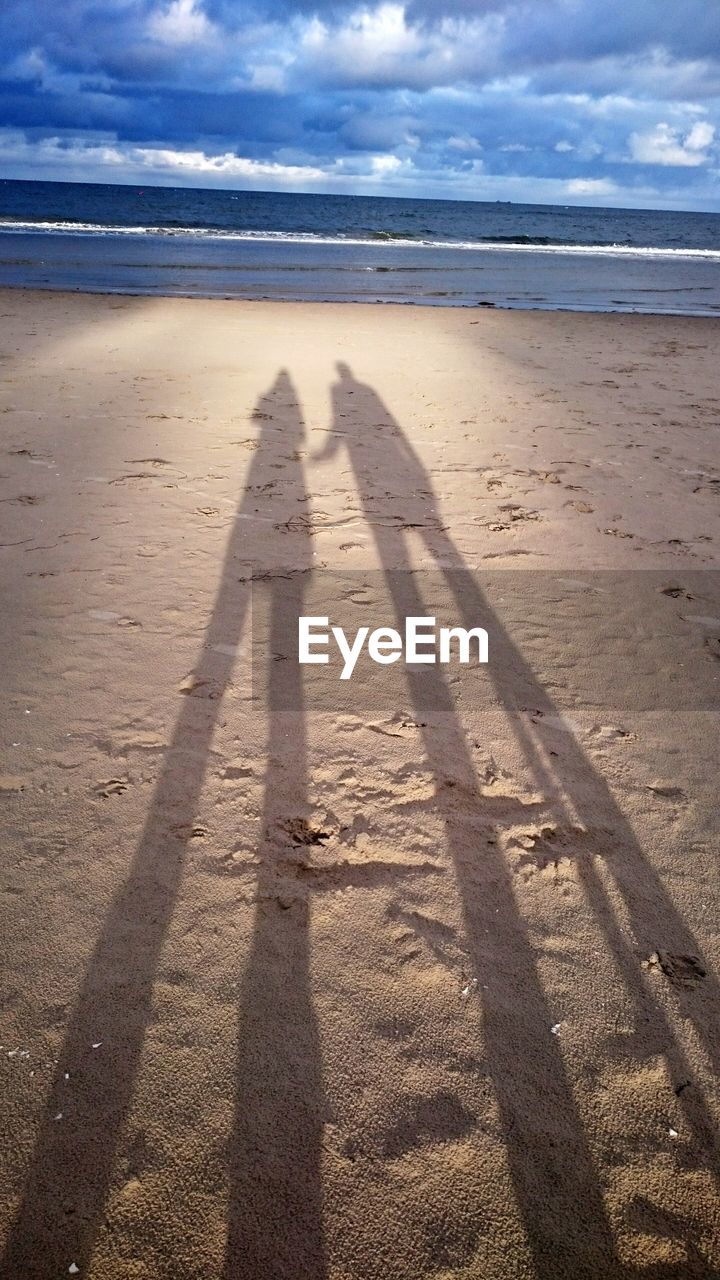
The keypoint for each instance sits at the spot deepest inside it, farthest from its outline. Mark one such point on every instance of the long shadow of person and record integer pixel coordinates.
(275, 1211)
(67, 1187)
(557, 1187)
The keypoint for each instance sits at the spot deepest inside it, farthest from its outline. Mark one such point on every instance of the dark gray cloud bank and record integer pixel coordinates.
(567, 101)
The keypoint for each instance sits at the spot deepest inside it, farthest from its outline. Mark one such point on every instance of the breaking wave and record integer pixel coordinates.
(374, 239)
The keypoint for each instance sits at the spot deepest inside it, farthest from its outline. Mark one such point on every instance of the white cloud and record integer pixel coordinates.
(700, 136)
(590, 187)
(183, 22)
(228, 164)
(266, 79)
(100, 157)
(665, 145)
(77, 155)
(563, 146)
(369, 35)
(380, 46)
(463, 142)
(386, 164)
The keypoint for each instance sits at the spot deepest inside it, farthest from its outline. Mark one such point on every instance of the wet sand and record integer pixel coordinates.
(406, 976)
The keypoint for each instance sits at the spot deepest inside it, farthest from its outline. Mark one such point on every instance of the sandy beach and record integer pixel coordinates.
(407, 976)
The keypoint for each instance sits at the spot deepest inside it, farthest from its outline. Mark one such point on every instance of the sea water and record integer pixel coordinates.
(241, 244)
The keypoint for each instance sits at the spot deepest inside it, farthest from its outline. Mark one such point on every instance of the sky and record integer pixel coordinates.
(596, 102)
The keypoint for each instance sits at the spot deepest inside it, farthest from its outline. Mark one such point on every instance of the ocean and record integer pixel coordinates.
(242, 244)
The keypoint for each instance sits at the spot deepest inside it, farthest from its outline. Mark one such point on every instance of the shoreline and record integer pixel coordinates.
(362, 302)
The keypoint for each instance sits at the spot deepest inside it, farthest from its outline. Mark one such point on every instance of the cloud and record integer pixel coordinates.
(59, 152)
(549, 31)
(379, 47)
(700, 136)
(35, 68)
(560, 99)
(386, 164)
(183, 22)
(463, 142)
(226, 165)
(665, 145)
(590, 187)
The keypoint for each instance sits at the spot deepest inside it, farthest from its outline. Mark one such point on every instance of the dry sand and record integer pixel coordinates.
(409, 977)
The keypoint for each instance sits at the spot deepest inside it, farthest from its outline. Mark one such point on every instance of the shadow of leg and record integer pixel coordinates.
(64, 1197)
(275, 1197)
(556, 1184)
(553, 1172)
(575, 782)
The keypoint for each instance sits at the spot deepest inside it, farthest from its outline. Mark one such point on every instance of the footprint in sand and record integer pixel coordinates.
(186, 831)
(111, 787)
(549, 846)
(301, 833)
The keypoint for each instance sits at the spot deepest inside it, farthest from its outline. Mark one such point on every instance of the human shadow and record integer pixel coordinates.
(67, 1187)
(556, 1182)
(274, 1150)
